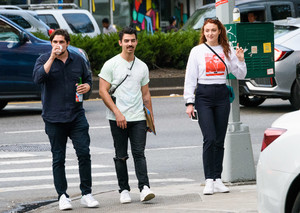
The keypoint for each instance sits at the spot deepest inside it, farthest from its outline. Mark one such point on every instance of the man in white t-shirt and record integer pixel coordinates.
(126, 78)
(108, 28)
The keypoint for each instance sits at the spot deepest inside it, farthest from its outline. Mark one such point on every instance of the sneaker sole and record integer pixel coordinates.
(124, 202)
(90, 206)
(63, 209)
(221, 191)
(208, 193)
(149, 197)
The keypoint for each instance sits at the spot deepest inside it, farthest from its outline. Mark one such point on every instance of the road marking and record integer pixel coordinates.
(29, 161)
(40, 130)
(14, 155)
(95, 183)
(49, 168)
(69, 176)
(176, 147)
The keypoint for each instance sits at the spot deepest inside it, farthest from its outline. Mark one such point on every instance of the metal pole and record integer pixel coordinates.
(238, 164)
(111, 13)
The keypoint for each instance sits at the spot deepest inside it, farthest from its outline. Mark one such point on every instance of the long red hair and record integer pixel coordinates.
(223, 40)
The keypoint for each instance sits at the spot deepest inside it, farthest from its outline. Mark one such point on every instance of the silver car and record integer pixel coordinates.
(285, 84)
(26, 19)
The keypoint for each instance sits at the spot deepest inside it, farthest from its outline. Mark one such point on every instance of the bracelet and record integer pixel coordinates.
(189, 104)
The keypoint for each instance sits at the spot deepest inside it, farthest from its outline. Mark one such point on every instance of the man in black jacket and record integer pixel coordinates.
(59, 72)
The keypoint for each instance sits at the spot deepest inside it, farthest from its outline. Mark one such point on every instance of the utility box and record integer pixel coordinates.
(257, 40)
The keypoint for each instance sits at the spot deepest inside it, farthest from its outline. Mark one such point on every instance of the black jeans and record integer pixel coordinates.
(58, 134)
(136, 132)
(213, 106)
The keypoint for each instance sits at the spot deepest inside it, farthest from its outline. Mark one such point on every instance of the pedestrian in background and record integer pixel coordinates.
(172, 25)
(108, 28)
(59, 72)
(207, 73)
(128, 77)
(252, 17)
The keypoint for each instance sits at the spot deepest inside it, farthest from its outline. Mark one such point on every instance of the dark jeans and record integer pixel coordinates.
(213, 106)
(136, 132)
(58, 134)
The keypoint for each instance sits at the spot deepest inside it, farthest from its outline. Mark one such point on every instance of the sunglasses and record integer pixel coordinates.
(211, 18)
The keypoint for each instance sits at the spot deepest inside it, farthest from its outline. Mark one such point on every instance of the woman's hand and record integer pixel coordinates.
(190, 110)
(239, 53)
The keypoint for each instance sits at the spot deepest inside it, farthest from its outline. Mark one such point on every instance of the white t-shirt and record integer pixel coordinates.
(204, 67)
(128, 95)
(110, 29)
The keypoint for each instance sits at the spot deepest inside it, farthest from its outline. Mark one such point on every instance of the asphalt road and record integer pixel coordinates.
(173, 156)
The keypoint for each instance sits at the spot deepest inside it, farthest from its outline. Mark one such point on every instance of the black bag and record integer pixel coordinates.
(230, 89)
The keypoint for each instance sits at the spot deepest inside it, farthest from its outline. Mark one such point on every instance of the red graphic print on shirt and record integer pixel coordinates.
(214, 66)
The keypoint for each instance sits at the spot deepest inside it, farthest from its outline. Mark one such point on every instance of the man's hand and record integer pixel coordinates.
(121, 120)
(83, 88)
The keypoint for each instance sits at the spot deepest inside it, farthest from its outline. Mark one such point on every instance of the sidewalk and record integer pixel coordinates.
(173, 199)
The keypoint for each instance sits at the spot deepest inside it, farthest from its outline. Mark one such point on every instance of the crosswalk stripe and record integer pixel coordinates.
(96, 183)
(49, 168)
(29, 161)
(50, 177)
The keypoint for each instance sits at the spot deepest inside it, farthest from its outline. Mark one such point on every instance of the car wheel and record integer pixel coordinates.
(295, 95)
(2, 104)
(251, 101)
(296, 205)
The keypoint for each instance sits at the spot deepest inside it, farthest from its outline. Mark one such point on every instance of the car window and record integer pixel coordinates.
(281, 11)
(49, 20)
(18, 20)
(79, 23)
(7, 33)
(196, 21)
(282, 30)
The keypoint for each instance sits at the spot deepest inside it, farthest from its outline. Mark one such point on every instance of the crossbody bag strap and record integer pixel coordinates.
(113, 91)
(219, 58)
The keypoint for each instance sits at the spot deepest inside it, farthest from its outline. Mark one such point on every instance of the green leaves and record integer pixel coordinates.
(166, 50)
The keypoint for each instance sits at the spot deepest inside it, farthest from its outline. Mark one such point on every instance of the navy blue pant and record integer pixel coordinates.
(58, 134)
(136, 132)
(213, 106)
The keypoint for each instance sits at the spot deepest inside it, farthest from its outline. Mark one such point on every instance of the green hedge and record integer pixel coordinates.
(166, 50)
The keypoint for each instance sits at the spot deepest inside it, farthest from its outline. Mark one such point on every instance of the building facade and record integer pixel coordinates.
(149, 15)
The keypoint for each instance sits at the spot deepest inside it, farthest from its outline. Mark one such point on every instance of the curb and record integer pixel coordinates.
(157, 86)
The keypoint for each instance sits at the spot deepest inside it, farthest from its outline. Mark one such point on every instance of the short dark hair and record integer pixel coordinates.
(105, 20)
(127, 30)
(62, 32)
(172, 19)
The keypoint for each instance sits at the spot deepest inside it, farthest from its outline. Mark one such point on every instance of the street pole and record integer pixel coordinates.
(111, 13)
(238, 164)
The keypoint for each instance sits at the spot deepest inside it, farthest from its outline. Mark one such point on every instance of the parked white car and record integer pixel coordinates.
(278, 168)
(73, 20)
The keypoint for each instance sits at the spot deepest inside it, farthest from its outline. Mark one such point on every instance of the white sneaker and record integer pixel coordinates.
(125, 197)
(64, 203)
(209, 187)
(89, 201)
(146, 194)
(219, 186)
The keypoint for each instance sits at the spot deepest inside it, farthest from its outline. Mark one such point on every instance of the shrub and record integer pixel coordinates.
(167, 50)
